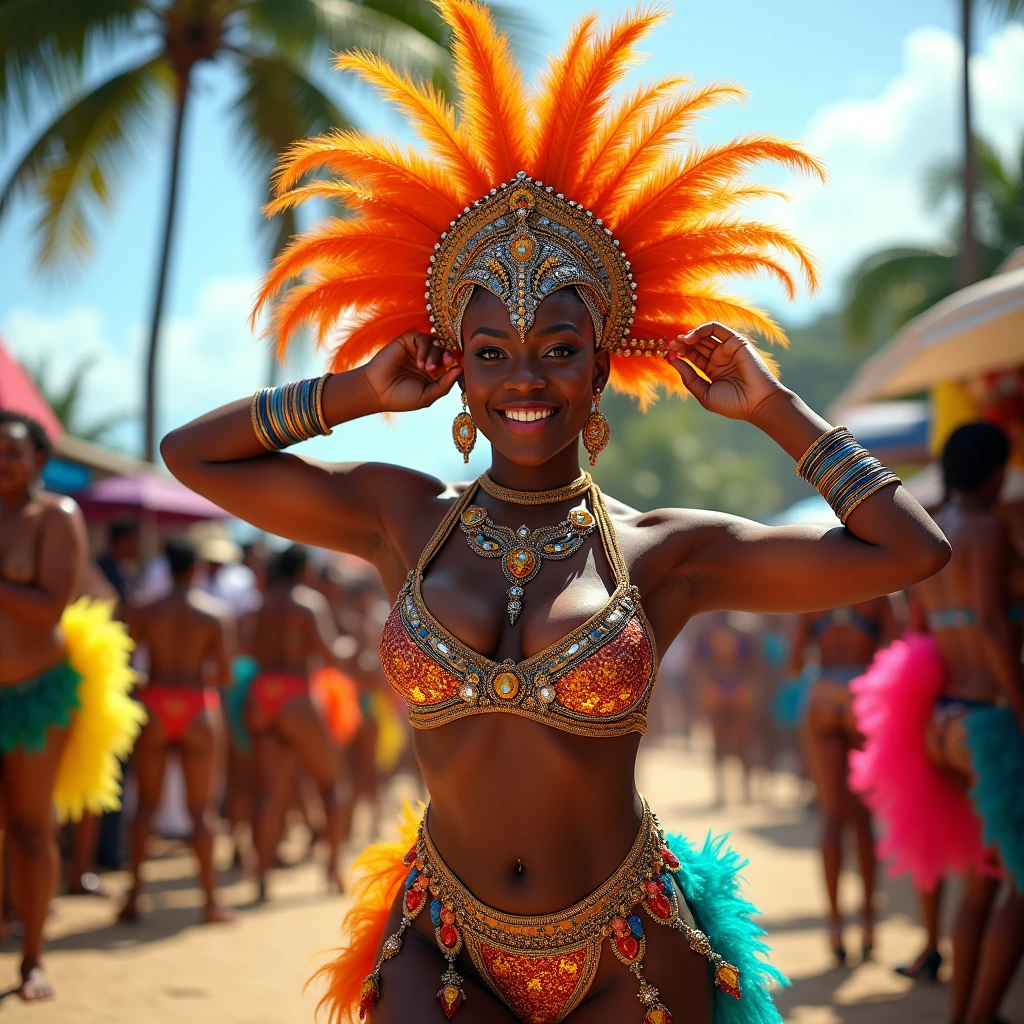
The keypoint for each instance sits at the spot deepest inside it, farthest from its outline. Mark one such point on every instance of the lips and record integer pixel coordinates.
(527, 419)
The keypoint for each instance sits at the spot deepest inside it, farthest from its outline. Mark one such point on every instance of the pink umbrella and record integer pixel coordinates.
(150, 495)
(19, 394)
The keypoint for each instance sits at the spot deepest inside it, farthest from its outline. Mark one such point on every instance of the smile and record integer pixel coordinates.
(527, 415)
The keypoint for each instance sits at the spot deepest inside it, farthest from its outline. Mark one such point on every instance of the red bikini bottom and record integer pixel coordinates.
(272, 690)
(176, 707)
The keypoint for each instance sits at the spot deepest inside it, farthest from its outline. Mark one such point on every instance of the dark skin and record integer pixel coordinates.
(189, 637)
(42, 558)
(830, 733)
(983, 663)
(559, 832)
(292, 632)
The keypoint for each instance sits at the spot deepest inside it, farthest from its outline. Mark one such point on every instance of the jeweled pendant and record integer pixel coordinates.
(368, 996)
(521, 562)
(658, 1015)
(727, 978)
(451, 996)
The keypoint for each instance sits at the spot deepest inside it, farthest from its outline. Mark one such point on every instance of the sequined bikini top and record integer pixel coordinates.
(596, 681)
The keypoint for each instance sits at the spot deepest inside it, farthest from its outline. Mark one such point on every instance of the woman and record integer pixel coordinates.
(64, 711)
(846, 640)
(528, 687)
(944, 716)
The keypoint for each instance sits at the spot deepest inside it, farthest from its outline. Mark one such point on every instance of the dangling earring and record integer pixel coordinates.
(597, 432)
(464, 430)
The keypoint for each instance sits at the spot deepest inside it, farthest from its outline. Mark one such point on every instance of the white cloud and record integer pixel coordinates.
(878, 149)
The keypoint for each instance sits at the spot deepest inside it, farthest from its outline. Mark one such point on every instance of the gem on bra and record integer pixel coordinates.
(612, 617)
(506, 685)
(468, 692)
(546, 693)
(516, 591)
(523, 531)
(441, 647)
(581, 518)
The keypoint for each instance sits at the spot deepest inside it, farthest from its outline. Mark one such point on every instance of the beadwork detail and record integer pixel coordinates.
(464, 430)
(597, 432)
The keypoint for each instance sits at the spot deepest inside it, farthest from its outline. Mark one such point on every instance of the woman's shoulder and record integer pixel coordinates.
(58, 507)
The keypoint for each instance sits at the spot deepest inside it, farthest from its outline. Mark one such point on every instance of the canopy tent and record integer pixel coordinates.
(154, 497)
(977, 330)
(895, 432)
(19, 394)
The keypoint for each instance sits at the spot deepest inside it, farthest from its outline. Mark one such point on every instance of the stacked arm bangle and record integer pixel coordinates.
(844, 472)
(291, 413)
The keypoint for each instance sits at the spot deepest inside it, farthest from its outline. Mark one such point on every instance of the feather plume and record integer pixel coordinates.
(579, 106)
(494, 105)
(433, 119)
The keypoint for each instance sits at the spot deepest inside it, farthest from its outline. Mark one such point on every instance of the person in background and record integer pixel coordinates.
(189, 637)
(727, 671)
(845, 640)
(65, 714)
(293, 633)
(120, 562)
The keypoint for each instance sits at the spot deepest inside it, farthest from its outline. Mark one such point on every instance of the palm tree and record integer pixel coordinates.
(66, 401)
(48, 49)
(892, 286)
(970, 265)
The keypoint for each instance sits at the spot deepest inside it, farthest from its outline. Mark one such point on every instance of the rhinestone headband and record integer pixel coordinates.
(522, 242)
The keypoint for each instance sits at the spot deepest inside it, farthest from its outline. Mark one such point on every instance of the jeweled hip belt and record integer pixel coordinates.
(542, 967)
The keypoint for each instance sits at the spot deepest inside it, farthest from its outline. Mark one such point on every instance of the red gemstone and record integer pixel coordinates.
(447, 916)
(660, 906)
(653, 888)
(413, 898)
(628, 946)
(408, 859)
(658, 1015)
(670, 859)
(450, 997)
(449, 936)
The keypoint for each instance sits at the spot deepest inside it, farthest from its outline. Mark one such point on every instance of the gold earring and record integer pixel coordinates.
(464, 430)
(597, 432)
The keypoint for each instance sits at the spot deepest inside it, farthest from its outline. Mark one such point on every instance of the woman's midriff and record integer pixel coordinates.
(529, 818)
(966, 673)
(27, 650)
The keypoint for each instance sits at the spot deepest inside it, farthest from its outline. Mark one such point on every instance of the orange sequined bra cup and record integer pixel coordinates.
(594, 682)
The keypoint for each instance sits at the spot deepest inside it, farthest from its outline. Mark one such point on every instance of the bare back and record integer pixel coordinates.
(288, 630)
(978, 573)
(853, 639)
(186, 635)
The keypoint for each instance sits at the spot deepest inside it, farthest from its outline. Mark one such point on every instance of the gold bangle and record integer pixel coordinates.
(318, 405)
(813, 447)
(891, 478)
(257, 427)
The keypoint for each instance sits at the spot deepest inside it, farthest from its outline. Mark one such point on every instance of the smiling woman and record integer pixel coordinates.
(566, 245)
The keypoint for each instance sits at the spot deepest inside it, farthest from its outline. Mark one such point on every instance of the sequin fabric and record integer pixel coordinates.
(595, 681)
(538, 988)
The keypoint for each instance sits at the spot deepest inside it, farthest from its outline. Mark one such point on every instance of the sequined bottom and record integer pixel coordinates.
(542, 967)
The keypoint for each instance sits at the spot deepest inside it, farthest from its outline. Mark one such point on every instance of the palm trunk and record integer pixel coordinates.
(165, 259)
(969, 264)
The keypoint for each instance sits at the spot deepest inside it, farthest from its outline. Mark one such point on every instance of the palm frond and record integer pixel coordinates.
(75, 160)
(890, 287)
(43, 44)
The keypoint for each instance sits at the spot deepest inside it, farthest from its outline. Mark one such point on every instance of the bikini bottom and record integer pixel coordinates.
(272, 690)
(542, 967)
(176, 707)
(727, 695)
(832, 688)
(28, 709)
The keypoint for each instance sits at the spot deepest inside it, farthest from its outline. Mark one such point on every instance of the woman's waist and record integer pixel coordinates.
(535, 857)
(23, 663)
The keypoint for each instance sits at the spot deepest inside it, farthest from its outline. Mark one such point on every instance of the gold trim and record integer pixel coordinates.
(576, 489)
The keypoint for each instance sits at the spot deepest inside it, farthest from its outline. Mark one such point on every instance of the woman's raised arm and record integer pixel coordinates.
(888, 543)
(331, 505)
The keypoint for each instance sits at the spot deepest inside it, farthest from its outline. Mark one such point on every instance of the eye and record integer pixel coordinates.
(563, 350)
(490, 353)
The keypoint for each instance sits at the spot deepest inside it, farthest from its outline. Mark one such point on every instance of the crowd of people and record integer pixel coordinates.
(255, 676)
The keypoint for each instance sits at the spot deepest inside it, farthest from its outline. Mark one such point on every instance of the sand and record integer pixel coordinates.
(172, 970)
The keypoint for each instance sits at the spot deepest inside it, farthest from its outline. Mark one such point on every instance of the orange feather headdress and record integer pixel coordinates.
(523, 191)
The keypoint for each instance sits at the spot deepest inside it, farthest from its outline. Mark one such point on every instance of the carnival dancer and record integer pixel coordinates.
(565, 242)
(189, 639)
(844, 641)
(727, 669)
(943, 716)
(293, 633)
(65, 713)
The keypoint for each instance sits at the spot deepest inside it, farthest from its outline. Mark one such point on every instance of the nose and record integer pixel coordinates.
(525, 374)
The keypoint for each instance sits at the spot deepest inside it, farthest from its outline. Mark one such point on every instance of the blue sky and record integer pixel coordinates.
(870, 86)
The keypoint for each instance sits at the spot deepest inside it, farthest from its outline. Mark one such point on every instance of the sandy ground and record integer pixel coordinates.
(170, 969)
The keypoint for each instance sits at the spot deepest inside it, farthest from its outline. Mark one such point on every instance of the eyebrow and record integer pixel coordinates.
(490, 332)
(559, 329)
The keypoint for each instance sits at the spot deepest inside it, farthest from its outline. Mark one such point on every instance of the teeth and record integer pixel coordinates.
(527, 416)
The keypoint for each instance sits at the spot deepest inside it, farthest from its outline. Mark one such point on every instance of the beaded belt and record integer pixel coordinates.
(542, 967)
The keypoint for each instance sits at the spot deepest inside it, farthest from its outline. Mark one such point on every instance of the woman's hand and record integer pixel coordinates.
(739, 378)
(411, 373)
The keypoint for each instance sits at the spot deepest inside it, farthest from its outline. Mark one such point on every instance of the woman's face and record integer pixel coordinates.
(531, 400)
(19, 460)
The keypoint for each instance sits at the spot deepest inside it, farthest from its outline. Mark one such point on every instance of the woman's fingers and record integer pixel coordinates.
(424, 349)
(695, 383)
(436, 389)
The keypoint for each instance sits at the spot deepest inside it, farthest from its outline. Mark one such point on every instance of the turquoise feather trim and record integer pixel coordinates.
(997, 753)
(710, 882)
(243, 671)
(28, 709)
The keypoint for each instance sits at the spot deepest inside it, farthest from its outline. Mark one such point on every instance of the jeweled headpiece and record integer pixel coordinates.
(525, 191)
